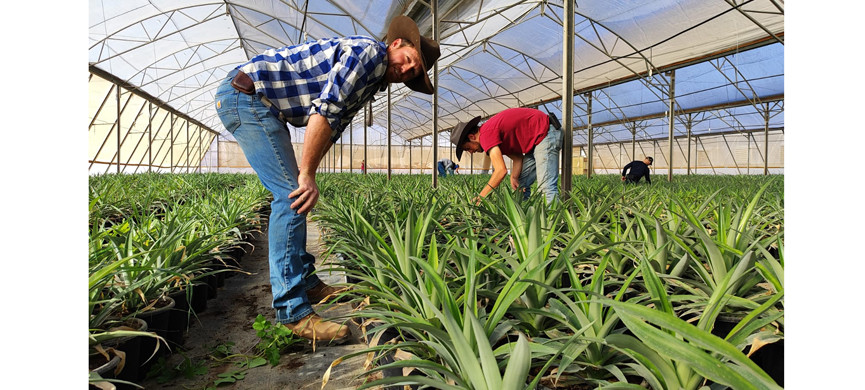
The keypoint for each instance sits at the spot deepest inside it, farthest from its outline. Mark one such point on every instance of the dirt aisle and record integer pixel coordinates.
(229, 318)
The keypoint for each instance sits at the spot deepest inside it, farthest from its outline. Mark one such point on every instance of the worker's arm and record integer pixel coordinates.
(316, 143)
(499, 171)
(648, 179)
(516, 170)
(625, 169)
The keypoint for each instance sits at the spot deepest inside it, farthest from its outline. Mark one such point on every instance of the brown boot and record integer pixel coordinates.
(323, 293)
(315, 328)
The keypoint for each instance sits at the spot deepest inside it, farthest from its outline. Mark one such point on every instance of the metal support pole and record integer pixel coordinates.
(634, 142)
(568, 98)
(748, 160)
(187, 147)
(590, 156)
(409, 157)
(766, 142)
(671, 117)
(654, 153)
(171, 145)
(388, 134)
(200, 149)
(149, 136)
(118, 128)
(351, 147)
(688, 126)
(217, 153)
(365, 119)
(435, 96)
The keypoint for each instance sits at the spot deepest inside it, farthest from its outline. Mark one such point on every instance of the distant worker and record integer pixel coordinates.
(362, 166)
(445, 167)
(639, 169)
(320, 85)
(531, 138)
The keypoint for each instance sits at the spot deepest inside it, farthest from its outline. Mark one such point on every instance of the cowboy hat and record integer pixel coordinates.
(461, 132)
(404, 27)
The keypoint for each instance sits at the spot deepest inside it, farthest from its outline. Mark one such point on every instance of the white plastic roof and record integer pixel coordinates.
(496, 54)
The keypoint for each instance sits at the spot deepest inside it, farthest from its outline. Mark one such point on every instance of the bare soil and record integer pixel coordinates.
(228, 320)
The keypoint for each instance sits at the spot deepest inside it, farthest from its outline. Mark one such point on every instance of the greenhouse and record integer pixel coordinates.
(552, 267)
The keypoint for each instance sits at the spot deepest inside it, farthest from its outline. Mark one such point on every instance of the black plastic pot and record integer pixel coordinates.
(158, 320)
(233, 259)
(388, 335)
(178, 318)
(393, 372)
(220, 279)
(104, 368)
(212, 285)
(220, 266)
(769, 357)
(351, 279)
(131, 346)
(199, 297)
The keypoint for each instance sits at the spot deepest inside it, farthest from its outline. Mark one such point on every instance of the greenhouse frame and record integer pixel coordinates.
(702, 94)
(380, 268)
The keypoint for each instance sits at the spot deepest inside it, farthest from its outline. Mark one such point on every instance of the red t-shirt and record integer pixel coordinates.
(515, 130)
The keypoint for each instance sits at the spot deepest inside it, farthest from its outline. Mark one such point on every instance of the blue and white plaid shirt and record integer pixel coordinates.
(331, 77)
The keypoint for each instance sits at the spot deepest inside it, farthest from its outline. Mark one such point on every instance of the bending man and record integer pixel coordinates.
(527, 136)
(639, 169)
(445, 167)
(320, 85)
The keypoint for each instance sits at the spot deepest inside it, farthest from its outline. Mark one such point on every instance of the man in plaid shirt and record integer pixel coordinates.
(320, 85)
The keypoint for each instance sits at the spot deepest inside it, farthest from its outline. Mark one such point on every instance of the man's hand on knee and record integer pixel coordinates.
(306, 195)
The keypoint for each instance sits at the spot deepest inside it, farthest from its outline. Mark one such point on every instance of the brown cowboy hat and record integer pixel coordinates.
(404, 27)
(461, 132)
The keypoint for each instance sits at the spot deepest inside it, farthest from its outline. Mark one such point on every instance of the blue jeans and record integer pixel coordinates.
(266, 143)
(542, 165)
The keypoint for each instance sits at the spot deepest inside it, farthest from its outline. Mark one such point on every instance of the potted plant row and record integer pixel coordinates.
(159, 269)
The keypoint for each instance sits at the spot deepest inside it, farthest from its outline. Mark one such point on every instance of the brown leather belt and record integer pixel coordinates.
(243, 83)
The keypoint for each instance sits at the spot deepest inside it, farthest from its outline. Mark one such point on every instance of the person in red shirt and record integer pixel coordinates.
(527, 136)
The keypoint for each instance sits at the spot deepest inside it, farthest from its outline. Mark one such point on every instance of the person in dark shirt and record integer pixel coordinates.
(639, 169)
